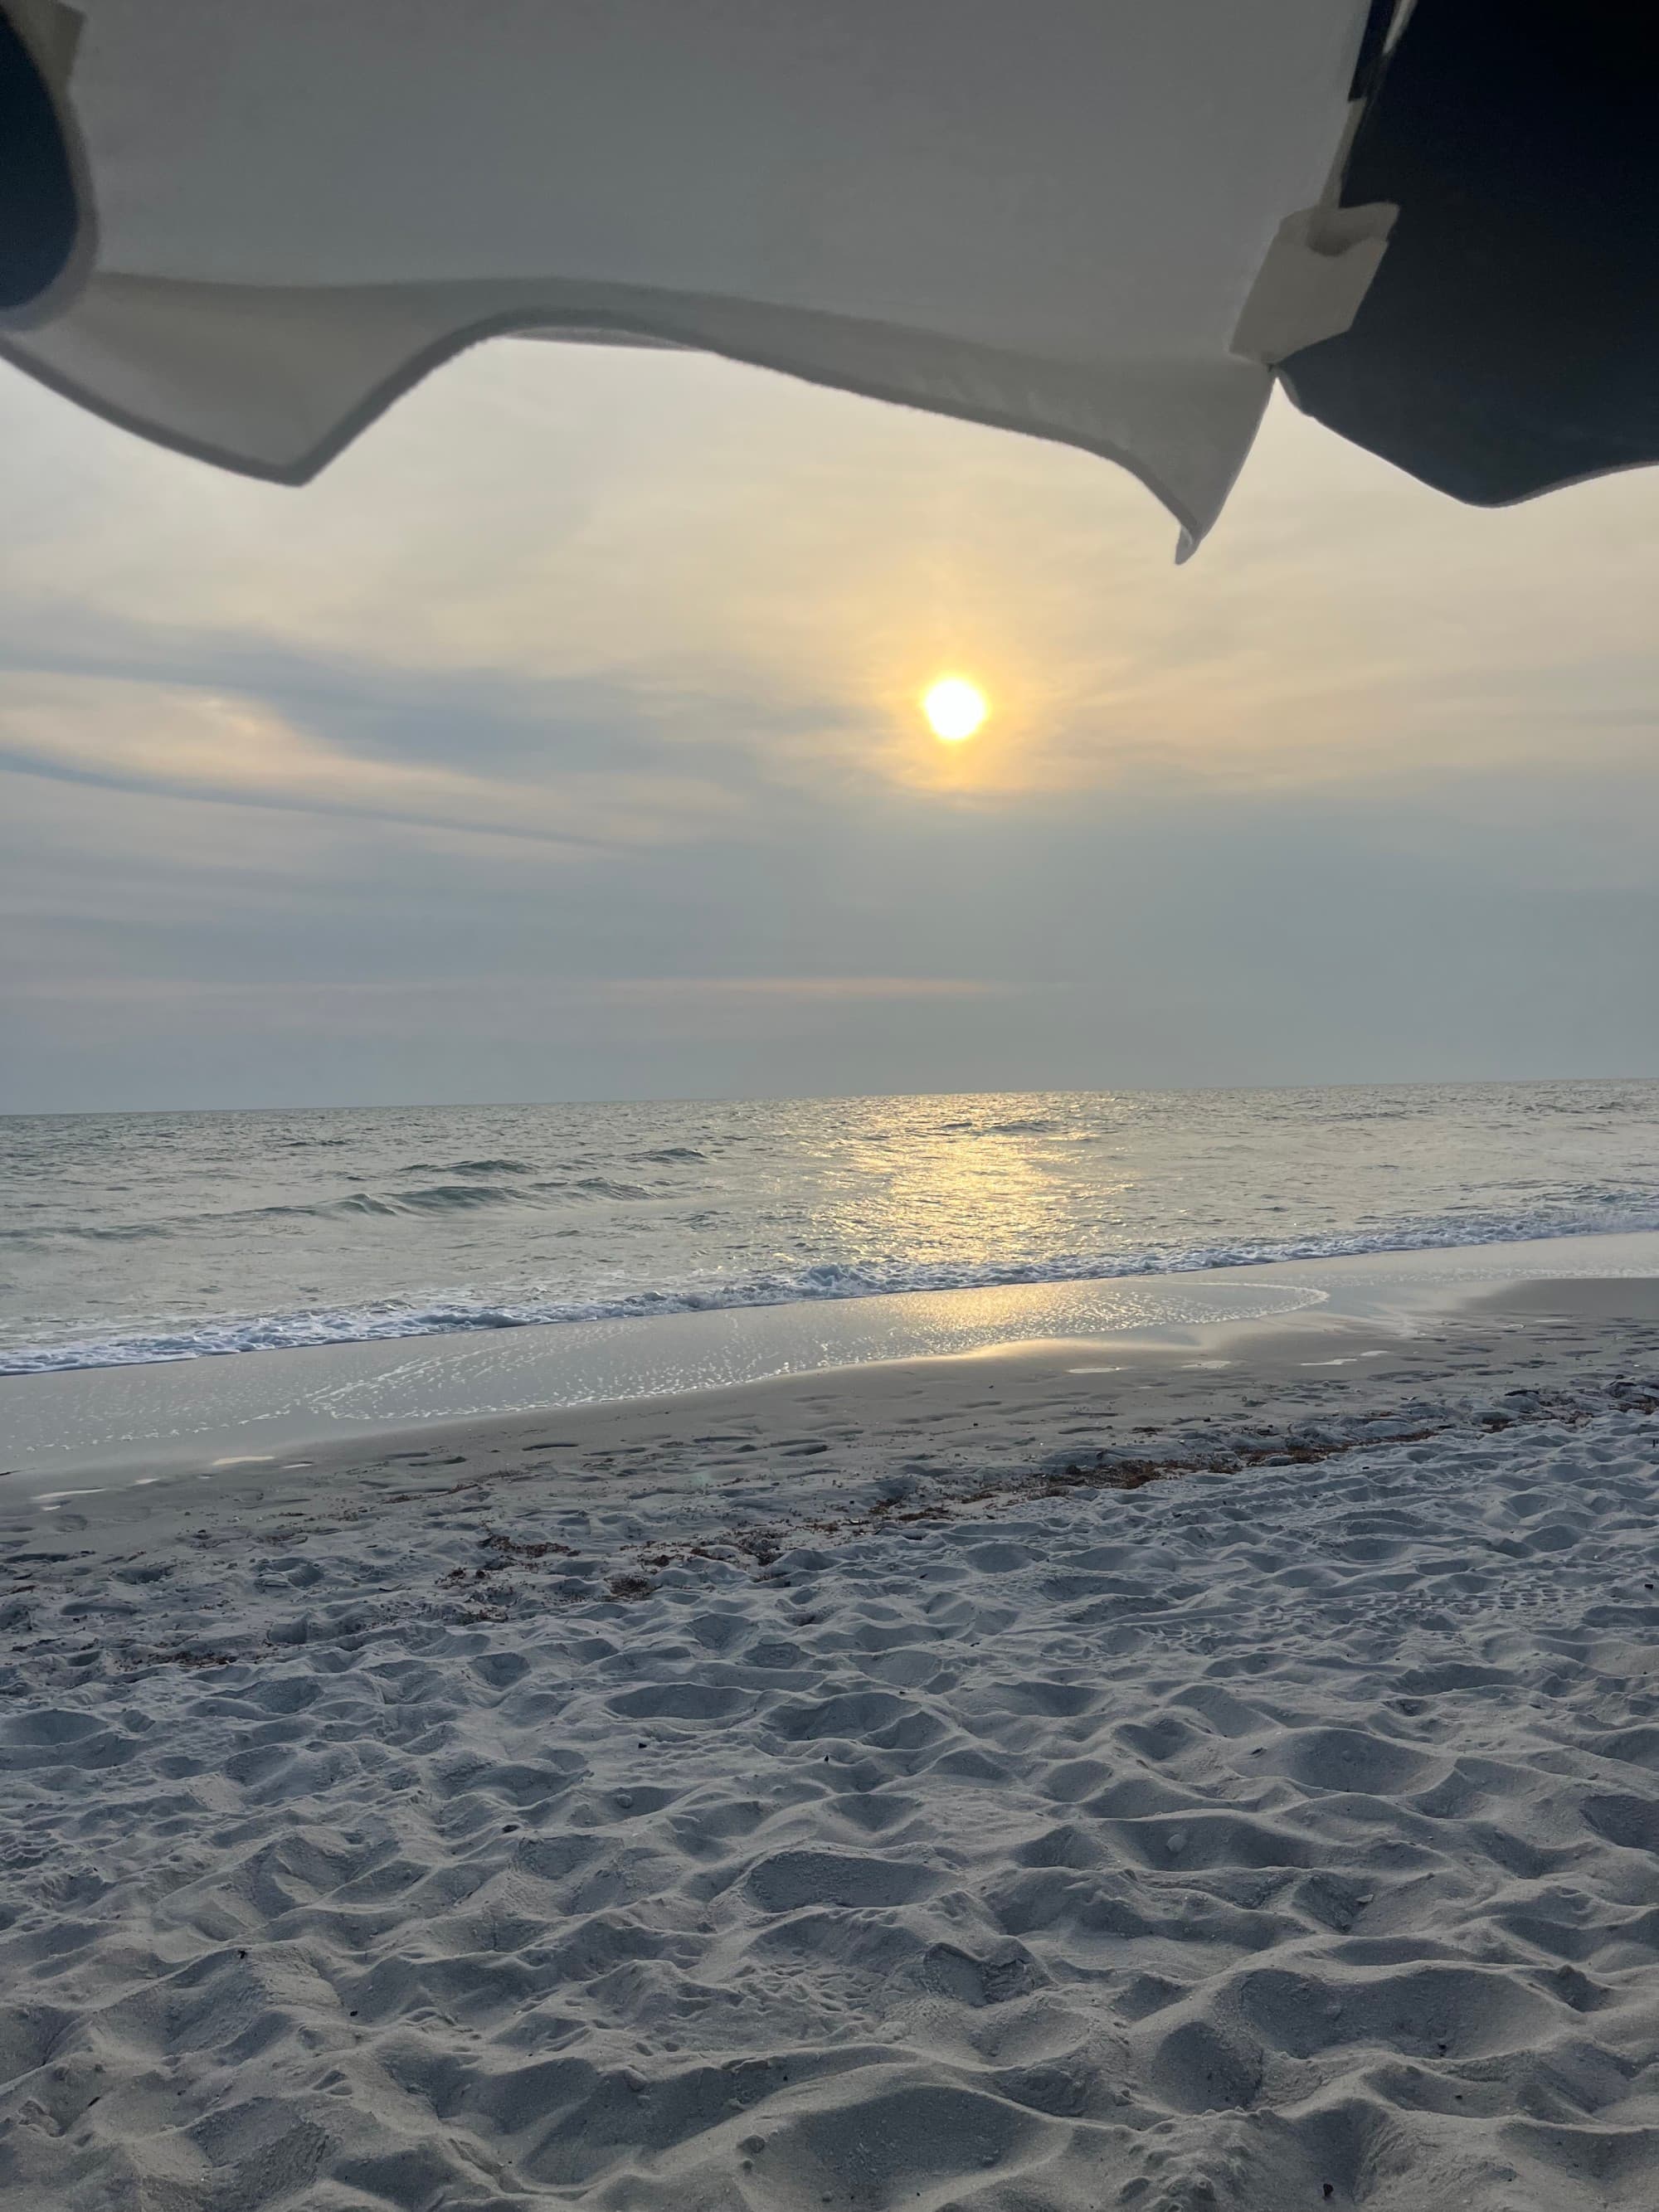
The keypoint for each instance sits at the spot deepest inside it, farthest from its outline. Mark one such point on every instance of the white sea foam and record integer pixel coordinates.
(378, 1322)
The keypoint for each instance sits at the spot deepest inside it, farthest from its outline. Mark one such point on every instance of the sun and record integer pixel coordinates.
(955, 708)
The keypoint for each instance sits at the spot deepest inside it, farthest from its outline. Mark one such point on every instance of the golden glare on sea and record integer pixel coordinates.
(955, 708)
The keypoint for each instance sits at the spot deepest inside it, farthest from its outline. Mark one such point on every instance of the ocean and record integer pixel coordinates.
(132, 1238)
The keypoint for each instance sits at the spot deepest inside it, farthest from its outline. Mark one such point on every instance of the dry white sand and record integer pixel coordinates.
(820, 1795)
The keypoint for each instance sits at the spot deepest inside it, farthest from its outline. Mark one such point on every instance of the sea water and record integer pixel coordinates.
(132, 1238)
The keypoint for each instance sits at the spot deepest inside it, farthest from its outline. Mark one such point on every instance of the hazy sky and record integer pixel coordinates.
(561, 741)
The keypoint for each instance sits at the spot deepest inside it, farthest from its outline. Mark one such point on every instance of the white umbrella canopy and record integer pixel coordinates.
(1096, 220)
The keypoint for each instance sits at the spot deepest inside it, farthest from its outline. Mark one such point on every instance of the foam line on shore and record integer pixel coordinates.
(203, 1415)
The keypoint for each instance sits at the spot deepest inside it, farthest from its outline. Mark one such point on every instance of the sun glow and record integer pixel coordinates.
(955, 708)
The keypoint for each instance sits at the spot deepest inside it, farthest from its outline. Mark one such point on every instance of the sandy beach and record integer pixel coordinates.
(1176, 1775)
(829, 1259)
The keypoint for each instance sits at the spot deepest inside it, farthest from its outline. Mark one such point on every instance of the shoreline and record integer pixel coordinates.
(110, 1427)
(990, 1423)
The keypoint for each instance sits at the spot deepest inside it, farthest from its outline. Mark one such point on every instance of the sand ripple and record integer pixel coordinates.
(1287, 1838)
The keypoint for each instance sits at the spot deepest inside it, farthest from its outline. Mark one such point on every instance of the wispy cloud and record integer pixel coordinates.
(573, 714)
(660, 568)
(195, 741)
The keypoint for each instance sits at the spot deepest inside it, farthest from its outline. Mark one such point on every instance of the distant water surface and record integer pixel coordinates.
(135, 1237)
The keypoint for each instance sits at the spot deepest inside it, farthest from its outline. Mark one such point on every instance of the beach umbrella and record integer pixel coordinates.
(244, 231)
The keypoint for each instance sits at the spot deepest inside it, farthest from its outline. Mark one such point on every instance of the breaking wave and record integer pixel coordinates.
(443, 1316)
(421, 1199)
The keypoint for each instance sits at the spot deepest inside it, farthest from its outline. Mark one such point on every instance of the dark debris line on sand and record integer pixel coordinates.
(480, 1592)
(1303, 1445)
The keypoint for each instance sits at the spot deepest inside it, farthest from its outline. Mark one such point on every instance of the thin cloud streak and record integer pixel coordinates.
(608, 990)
